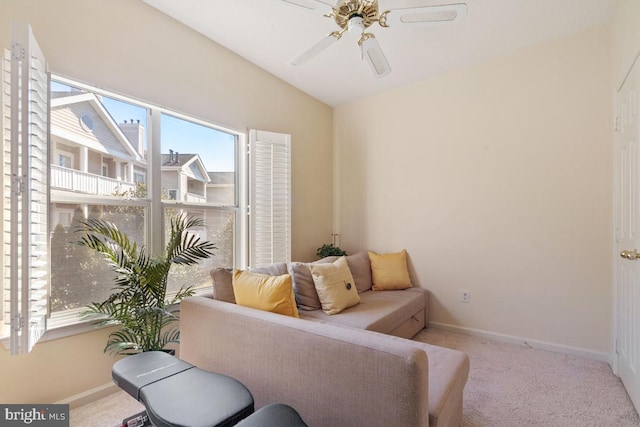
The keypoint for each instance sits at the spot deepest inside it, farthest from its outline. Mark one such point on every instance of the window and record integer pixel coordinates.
(137, 179)
(63, 217)
(184, 152)
(65, 160)
(187, 167)
(86, 122)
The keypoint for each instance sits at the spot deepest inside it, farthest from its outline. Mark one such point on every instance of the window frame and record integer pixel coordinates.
(69, 322)
(62, 153)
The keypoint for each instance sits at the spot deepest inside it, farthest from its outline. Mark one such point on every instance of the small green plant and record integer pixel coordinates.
(140, 306)
(329, 250)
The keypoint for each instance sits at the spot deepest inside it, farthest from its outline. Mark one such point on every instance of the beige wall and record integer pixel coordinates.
(497, 179)
(55, 370)
(128, 47)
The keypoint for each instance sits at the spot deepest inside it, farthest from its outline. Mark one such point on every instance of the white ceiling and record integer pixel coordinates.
(271, 32)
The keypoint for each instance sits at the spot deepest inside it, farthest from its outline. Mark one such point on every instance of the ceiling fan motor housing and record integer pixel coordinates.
(345, 10)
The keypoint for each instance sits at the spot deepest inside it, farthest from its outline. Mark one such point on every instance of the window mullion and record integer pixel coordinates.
(156, 217)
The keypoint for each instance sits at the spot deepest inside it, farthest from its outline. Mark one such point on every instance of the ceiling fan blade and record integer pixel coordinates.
(316, 49)
(427, 14)
(322, 6)
(373, 54)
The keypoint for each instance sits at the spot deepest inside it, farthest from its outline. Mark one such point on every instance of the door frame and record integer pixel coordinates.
(616, 223)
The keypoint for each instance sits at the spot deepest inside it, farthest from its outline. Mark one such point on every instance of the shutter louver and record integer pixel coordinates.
(27, 252)
(270, 198)
(5, 304)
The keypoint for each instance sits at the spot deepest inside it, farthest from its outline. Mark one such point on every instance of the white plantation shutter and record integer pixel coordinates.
(25, 179)
(270, 198)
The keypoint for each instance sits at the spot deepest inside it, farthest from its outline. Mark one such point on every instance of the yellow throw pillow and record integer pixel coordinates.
(264, 292)
(335, 286)
(389, 271)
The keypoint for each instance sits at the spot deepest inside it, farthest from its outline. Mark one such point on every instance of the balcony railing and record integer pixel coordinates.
(195, 198)
(88, 183)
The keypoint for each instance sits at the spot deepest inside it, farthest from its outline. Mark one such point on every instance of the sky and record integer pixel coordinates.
(215, 148)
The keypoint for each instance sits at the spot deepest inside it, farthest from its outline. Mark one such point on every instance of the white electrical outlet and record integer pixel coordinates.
(465, 295)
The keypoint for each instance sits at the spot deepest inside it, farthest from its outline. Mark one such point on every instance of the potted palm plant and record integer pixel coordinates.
(139, 305)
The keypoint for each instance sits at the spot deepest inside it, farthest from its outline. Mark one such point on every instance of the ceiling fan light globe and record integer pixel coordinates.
(356, 25)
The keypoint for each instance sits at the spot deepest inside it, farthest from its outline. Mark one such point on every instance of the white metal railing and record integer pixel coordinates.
(83, 182)
(190, 197)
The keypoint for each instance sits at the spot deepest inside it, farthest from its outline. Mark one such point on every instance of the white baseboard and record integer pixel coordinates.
(574, 351)
(89, 395)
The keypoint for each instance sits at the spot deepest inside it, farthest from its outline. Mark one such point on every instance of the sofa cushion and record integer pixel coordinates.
(389, 271)
(276, 269)
(264, 292)
(222, 285)
(223, 280)
(335, 286)
(360, 268)
(303, 286)
(378, 311)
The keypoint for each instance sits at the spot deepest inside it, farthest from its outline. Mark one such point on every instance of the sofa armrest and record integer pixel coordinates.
(332, 375)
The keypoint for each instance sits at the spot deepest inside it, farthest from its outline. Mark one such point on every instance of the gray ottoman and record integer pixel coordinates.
(176, 393)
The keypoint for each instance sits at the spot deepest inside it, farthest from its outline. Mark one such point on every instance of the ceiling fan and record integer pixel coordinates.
(356, 16)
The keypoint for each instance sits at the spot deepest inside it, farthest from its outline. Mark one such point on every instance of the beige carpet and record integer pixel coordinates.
(508, 386)
(512, 385)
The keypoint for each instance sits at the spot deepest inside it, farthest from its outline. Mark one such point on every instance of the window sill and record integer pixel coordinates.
(70, 323)
(62, 331)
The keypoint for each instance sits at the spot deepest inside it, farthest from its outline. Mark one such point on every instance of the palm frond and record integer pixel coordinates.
(139, 304)
(185, 247)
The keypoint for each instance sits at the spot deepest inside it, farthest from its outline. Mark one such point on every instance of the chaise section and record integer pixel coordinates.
(401, 313)
(332, 375)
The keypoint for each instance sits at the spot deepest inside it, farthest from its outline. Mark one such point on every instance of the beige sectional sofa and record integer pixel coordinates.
(354, 368)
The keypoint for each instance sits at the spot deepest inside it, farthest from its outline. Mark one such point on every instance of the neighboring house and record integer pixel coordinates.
(221, 188)
(90, 153)
(184, 177)
(94, 161)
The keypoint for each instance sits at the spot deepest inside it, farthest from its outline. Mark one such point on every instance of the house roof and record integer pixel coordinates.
(67, 108)
(178, 159)
(222, 177)
(190, 163)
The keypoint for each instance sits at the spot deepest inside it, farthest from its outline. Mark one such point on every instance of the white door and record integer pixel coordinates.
(627, 224)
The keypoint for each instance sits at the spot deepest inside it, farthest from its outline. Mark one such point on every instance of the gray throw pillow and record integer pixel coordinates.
(222, 285)
(277, 269)
(303, 287)
(360, 267)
